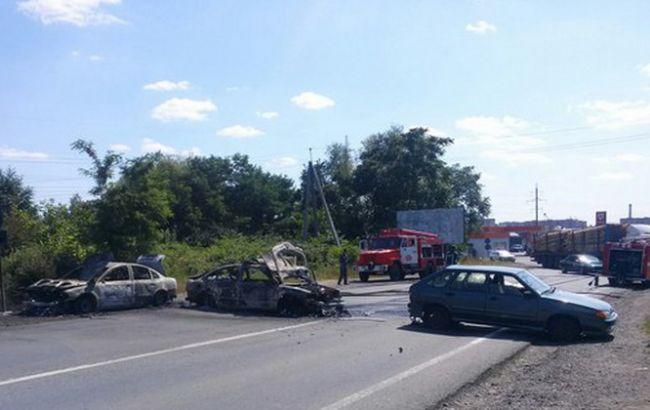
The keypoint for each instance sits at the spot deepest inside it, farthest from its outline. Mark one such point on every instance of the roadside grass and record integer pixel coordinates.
(646, 326)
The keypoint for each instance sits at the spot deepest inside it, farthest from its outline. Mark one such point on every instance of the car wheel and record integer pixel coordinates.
(85, 304)
(613, 282)
(395, 272)
(290, 307)
(436, 317)
(159, 298)
(564, 329)
(363, 276)
(565, 270)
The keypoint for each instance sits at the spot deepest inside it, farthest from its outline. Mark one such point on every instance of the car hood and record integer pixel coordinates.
(287, 260)
(580, 300)
(62, 284)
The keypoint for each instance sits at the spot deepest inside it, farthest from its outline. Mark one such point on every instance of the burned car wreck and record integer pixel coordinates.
(102, 284)
(279, 281)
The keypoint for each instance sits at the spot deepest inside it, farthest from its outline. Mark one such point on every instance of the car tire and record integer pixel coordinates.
(564, 329)
(159, 298)
(363, 276)
(290, 307)
(613, 282)
(436, 318)
(85, 304)
(565, 270)
(395, 272)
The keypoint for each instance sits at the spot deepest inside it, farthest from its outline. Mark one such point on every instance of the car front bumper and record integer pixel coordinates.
(379, 269)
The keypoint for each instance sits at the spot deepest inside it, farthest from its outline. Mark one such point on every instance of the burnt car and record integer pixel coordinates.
(279, 281)
(101, 284)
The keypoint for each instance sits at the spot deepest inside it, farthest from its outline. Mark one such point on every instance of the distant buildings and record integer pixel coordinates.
(550, 224)
(643, 220)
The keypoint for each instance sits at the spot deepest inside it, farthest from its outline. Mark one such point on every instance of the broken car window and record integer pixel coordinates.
(118, 273)
(141, 273)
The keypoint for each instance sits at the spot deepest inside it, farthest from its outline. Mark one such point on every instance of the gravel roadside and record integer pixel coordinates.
(594, 374)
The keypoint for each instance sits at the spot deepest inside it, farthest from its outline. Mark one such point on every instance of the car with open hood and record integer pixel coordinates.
(513, 297)
(102, 284)
(279, 281)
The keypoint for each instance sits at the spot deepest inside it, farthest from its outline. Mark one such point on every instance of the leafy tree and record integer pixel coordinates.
(13, 193)
(102, 168)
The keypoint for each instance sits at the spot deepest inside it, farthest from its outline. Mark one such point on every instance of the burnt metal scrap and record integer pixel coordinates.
(279, 281)
(102, 284)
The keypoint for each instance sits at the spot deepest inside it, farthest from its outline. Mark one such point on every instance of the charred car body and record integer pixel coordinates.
(101, 284)
(279, 281)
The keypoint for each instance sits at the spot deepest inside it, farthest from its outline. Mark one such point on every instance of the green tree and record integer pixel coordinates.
(102, 168)
(13, 193)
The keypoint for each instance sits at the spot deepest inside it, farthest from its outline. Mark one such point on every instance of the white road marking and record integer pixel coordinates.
(353, 398)
(150, 354)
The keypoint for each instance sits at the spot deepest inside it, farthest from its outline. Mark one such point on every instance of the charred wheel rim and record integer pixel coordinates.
(159, 298)
(85, 305)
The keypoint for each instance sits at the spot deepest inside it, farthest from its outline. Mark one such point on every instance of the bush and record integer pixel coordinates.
(24, 267)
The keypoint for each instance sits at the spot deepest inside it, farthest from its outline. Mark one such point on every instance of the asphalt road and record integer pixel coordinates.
(179, 357)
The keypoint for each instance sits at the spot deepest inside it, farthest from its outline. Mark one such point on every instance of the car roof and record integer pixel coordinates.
(486, 268)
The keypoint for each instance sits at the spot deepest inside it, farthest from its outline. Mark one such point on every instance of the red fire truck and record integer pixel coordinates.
(400, 252)
(627, 262)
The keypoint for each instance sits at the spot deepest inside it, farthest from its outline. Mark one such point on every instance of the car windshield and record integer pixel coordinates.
(84, 273)
(383, 243)
(588, 259)
(535, 283)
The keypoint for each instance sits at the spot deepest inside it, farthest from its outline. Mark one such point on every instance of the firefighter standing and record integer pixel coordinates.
(343, 268)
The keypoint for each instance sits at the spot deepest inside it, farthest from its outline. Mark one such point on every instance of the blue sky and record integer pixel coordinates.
(553, 93)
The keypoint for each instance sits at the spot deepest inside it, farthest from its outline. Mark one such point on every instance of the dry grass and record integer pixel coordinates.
(646, 325)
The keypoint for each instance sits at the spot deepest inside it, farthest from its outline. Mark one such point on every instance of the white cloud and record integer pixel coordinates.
(121, 148)
(183, 109)
(166, 85)
(240, 131)
(75, 53)
(268, 115)
(613, 176)
(312, 101)
(630, 157)
(514, 158)
(613, 115)
(645, 69)
(481, 27)
(13, 153)
(284, 162)
(149, 146)
(77, 12)
(494, 130)
(95, 58)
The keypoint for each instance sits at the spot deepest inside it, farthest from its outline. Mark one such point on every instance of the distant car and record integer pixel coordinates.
(581, 263)
(510, 297)
(502, 256)
(279, 281)
(104, 285)
(517, 248)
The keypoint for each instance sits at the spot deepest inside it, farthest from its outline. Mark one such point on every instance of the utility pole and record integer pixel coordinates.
(327, 208)
(629, 211)
(536, 207)
(313, 181)
(3, 242)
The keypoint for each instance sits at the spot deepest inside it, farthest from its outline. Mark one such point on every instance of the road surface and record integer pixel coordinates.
(180, 357)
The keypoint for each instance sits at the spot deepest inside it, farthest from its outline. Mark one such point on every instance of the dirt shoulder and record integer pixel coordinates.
(594, 374)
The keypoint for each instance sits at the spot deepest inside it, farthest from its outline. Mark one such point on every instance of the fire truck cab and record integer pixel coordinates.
(400, 252)
(627, 262)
